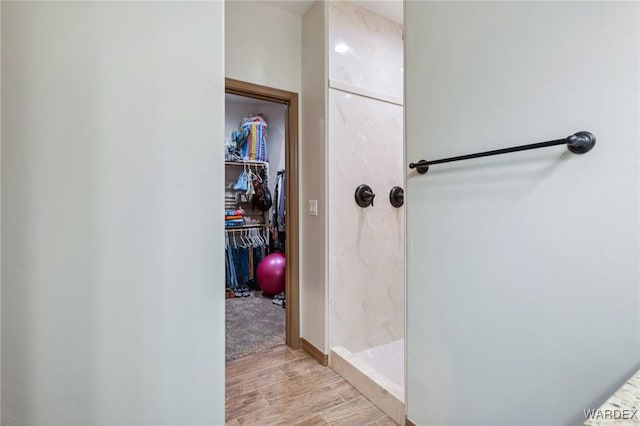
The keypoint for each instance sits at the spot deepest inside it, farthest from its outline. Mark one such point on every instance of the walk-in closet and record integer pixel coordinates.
(255, 182)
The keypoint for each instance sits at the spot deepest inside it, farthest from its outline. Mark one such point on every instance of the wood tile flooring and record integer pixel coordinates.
(287, 387)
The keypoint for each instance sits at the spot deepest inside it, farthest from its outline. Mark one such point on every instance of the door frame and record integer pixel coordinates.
(292, 242)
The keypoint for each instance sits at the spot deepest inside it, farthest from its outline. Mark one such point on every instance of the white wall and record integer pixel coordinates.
(262, 45)
(112, 268)
(523, 270)
(313, 177)
(0, 213)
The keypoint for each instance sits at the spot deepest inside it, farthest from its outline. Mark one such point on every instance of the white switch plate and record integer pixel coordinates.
(312, 208)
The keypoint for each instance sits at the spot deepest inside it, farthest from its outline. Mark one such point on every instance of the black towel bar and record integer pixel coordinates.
(578, 143)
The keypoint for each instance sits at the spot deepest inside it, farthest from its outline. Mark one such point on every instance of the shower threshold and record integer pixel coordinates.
(378, 373)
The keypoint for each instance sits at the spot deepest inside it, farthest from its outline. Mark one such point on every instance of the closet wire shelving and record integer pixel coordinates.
(248, 231)
(264, 227)
(263, 164)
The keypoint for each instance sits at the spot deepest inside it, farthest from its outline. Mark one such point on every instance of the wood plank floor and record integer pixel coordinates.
(287, 387)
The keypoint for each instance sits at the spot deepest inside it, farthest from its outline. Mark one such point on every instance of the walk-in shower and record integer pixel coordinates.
(366, 242)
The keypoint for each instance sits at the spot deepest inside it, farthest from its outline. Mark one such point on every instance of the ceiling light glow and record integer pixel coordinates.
(341, 48)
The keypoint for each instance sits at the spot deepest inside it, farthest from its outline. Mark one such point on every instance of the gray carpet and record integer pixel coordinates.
(253, 324)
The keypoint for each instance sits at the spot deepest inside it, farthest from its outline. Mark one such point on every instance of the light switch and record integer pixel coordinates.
(312, 209)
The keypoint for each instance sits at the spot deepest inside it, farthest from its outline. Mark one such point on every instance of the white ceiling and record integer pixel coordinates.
(297, 7)
(390, 9)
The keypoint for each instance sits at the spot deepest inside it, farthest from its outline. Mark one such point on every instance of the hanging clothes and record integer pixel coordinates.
(231, 280)
(255, 146)
(281, 202)
(279, 212)
(244, 252)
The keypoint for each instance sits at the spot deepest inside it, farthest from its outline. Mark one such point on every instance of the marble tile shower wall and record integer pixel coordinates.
(366, 246)
(365, 51)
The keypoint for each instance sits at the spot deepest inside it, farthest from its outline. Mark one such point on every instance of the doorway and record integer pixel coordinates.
(289, 160)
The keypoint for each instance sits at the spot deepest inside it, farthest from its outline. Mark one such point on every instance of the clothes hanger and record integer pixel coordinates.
(256, 238)
(243, 239)
(242, 243)
(247, 239)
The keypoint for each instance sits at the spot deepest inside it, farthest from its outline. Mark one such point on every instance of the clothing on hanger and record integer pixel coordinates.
(255, 146)
(245, 249)
(279, 212)
(281, 202)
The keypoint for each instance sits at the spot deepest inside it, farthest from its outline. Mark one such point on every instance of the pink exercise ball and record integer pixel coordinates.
(270, 273)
